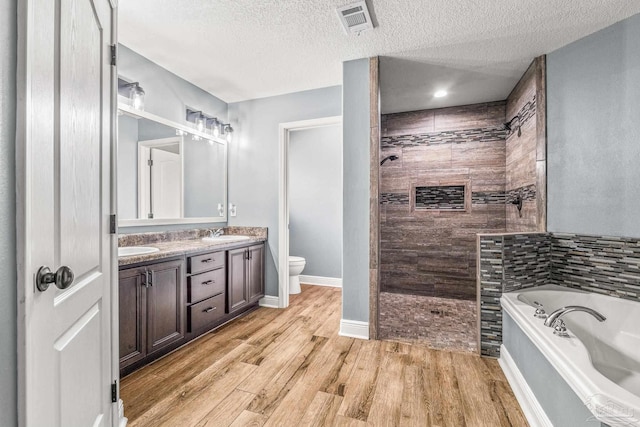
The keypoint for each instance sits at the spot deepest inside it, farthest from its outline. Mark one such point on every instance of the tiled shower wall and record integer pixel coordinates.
(428, 237)
(526, 152)
(607, 265)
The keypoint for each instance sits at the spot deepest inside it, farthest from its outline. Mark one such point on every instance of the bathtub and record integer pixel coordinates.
(599, 361)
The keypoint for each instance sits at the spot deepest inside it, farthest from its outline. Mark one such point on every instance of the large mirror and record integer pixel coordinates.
(167, 173)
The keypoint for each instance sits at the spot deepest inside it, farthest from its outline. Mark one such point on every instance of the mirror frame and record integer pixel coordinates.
(141, 114)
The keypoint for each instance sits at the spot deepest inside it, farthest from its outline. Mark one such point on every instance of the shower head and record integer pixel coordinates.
(509, 125)
(391, 158)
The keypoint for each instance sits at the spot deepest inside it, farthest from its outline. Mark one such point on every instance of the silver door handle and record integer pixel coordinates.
(63, 278)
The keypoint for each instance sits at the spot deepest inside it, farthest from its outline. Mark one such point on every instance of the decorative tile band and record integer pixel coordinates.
(444, 197)
(488, 198)
(527, 111)
(527, 193)
(394, 198)
(605, 265)
(490, 134)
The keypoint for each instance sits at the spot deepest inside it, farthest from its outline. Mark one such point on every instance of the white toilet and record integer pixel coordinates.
(296, 265)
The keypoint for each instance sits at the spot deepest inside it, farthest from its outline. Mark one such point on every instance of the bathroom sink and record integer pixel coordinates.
(225, 238)
(136, 250)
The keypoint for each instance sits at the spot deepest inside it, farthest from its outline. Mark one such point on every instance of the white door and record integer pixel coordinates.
(166, 183)
(64, 182)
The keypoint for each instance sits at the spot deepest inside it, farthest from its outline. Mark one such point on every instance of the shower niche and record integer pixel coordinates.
(435, 198)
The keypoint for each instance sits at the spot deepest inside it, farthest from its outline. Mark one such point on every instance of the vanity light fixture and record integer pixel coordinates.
(197, 118)
(136, 95)
(228, 131)
(215, 126)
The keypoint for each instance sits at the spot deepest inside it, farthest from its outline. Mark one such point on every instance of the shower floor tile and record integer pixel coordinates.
(440, 323)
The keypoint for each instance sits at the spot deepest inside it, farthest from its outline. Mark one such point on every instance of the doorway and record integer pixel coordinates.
(286, 130)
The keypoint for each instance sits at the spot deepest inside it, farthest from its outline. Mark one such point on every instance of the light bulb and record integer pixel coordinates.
(200, 123)
(180, 132)
(136, 94)
(229, 134)
(440, 94)
(216, 129)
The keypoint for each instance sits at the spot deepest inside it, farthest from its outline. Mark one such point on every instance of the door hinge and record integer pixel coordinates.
(114, 391)
(114, 54)
(112, 224)
(150, 162)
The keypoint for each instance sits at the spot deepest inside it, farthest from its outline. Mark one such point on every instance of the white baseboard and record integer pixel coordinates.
(269, 301)
(530, 406)
(334, 282)
(354, 329)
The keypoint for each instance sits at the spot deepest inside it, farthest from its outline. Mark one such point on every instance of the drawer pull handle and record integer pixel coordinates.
(208, 282)
(209, 310)
(206, 261)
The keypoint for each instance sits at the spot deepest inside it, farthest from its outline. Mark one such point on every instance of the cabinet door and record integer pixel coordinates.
(165, 305)
(255, 269)
(237, 280)
(133, 316)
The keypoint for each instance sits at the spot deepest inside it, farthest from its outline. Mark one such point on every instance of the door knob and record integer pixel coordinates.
(63, 278)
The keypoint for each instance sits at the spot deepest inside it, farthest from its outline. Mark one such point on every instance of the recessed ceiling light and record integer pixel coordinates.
(440, 93)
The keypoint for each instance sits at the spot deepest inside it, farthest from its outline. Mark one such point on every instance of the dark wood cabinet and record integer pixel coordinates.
(152, 310)
(166, 303)
(133, 316)
(246, 276)
(206, 287)
(256, 273)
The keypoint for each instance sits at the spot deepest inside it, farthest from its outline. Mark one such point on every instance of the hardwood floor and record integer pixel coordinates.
(290, 368)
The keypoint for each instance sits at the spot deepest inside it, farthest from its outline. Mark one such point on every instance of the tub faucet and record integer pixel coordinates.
(555, 319)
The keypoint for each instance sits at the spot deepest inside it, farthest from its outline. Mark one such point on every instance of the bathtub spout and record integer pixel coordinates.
(556, 315)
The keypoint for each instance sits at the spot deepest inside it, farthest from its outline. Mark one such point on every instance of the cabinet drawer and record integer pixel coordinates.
(205, 262)
(206, 312)
(205, 285)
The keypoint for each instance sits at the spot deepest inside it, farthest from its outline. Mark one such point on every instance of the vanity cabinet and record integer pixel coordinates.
(166, 303)
(152, 310)
(246, 276)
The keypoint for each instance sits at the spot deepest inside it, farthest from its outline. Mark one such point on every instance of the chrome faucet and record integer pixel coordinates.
(555, 319)
(216, 233)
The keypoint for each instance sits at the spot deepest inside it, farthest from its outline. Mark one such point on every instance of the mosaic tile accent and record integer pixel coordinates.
(490, 277)
(527, 261)
(488, 198)
(527, 112)
(394, 198)
(528, 193)
(605, 265)
(507, 263)
(441, 323)
(444, 197)
(489, 134)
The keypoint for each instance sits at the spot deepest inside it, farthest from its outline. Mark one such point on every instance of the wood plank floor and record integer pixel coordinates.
(290, 368)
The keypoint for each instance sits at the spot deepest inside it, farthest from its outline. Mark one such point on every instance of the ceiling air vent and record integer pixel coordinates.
(355, 17)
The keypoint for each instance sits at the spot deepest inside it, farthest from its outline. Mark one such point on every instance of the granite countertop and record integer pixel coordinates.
(174, 244)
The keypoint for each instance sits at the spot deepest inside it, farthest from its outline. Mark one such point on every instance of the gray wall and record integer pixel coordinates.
(593, 114)
(168, 96)
(8, 302)
(254, 162)
(315, 199)
(356, 128)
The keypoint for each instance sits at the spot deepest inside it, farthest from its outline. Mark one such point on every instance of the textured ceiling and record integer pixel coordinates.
(245, 49)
